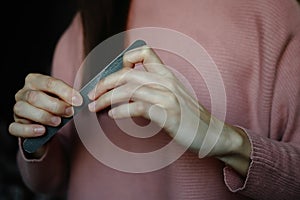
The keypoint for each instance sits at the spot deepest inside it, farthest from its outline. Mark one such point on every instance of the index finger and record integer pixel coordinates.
(55, 87)
(148, 58)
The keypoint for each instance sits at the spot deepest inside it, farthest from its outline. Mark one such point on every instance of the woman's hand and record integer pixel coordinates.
(156, 94)
(42, 101)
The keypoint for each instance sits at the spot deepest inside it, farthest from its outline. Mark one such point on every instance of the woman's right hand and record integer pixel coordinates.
(42, 101)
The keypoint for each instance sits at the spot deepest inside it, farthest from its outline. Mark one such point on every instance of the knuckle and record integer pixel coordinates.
(15, 117)
(106, 98)
(172, 99)
(51, 83)
(19, 94)
(43, 116)
(126, 75)
(168, 72)
(140, 108)
(65, 94)
(30, 77)
(55, 106)
(102, 82)
(18, 107)
(130, 91)
(27, 130)
(66, 91)
(18, 120)
(146, 51)
(31, 96)
(171, 85)
(125, 70)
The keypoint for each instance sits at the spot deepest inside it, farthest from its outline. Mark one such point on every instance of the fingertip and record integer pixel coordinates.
(69, 112)
(10, 127)
(91, 95)
(115, 113)
(131, 57)
(110, 113)
(92, 107)
(77, 100)
(39, 130)
(26, 130)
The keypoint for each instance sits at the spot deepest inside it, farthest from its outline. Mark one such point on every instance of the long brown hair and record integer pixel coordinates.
(102, 19)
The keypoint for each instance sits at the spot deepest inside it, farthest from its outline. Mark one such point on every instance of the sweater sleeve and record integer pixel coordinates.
(45, 175)
(275, 159)
(49, 174)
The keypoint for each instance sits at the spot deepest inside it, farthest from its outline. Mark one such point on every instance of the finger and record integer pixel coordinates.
(26, 130)
(48, 103)
(22, 120)
(133, 92)
(148, 58)
(26, 111)
(124, 76)
(114, 80)
(140, 109)
(55, 87)
(134, 109)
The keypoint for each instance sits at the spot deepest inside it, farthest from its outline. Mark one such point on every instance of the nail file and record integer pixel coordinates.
(30, 145)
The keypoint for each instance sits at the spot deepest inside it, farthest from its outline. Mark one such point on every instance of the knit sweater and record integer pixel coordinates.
(256, 47)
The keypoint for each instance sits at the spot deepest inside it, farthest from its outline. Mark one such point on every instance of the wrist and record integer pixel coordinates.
(232, 141)
(234, 149)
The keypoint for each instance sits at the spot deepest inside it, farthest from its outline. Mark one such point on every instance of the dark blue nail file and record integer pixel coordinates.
(30, 145)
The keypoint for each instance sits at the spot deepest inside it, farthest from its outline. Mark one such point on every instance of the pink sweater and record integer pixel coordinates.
(256, 46)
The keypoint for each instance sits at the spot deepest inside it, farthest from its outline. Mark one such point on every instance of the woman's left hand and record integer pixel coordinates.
(156, 94)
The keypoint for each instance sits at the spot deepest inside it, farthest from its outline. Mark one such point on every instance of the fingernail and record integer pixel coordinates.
(69, 111)
(55, 120)
(76, 100)
(91, 95)
(111, 113)
(92, 106)
(39, 130)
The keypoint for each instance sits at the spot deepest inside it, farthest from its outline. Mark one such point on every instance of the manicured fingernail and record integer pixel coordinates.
(76, 100)
(39, 130)
(111, 113)
(55, 120)
(69, 111)
(92, 106)
(91, 95)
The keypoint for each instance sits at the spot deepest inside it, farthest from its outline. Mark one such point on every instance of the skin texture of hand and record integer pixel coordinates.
(156, 94)
(42, 101)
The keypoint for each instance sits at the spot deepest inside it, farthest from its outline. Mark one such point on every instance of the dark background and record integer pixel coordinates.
(29, 33)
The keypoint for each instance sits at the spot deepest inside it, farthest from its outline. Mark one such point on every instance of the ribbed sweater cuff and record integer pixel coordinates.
(24, 156)
(46, 173)
(261, 166)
